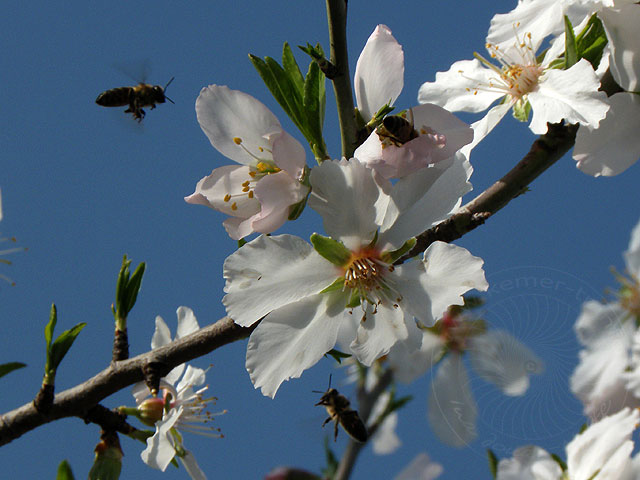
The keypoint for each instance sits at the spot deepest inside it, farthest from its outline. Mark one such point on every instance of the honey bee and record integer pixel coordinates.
(396, 130)
(142, 95)
(338, 408)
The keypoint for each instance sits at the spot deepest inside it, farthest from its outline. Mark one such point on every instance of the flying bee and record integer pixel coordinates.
(338, 408)
(396, 130)
(142, 95)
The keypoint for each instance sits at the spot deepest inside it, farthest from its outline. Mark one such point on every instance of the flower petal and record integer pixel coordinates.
(276, 193)
(187, 323)
(212, 190)
(451, 410)
(345, 195)
(529, 463)
(596, 447)
(288, 154)
(457, 88)
(408, 365)
(431, 286)
(571, 95)
(501, 359)
(192, 467)
(614, 146)
(270, 272)
(161, 335)
(632, 254)
(621, 25)
(420, 468)
(160, 450)
(291, 339)
(379, 75)
(226, 114)
(378, 332)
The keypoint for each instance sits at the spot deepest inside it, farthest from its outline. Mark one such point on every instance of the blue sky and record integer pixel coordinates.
(82, 185)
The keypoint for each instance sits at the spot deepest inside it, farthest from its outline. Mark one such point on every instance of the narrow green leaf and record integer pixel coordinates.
(269, 79)
(291, 67)
(311, 103)
(63, 343)
(64, 471)
(10, 367)
(133, 286)
(292, 100)
(337, 355)
(591, 41)
(397, 404)
(570, 51)
(493, 463)
(48, 330)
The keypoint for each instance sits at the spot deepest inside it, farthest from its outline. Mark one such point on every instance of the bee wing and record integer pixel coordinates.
(137, 70)
(350, 421)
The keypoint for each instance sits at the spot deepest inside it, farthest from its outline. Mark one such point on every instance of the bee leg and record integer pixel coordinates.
(335, 431)
(326, 421)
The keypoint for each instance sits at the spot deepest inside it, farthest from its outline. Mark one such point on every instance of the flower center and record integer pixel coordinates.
(366, 275)
(262, 167)
(518, 73)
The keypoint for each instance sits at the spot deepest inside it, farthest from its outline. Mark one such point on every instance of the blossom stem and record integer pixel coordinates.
(366, 400)
(337, 18)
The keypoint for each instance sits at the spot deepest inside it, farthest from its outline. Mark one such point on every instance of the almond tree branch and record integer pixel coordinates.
(337, 17)
(81, 400)
(544, 152)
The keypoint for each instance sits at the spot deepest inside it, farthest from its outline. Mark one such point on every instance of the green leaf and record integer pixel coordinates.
(64, 471)
(559, 461)
(337, 355)
(493, 463)
(390, 257)
(6, 368)
(331, 249)
(287, 96)
(63, 343)
(291, 67)
(570, 50)
(133, 286)
(338, 284)
(48, 330)
(311, 102)
(592, 41)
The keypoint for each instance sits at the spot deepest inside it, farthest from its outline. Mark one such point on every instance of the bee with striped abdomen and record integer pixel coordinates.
(339, 409)
(396, 130)
(142, 95)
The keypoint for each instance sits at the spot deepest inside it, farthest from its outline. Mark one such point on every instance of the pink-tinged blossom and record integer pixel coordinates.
(258, 193)
(431, 134)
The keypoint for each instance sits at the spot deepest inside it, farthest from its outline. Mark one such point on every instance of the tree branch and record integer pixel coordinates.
(337, 17)
(544, 152)
(81, 400)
